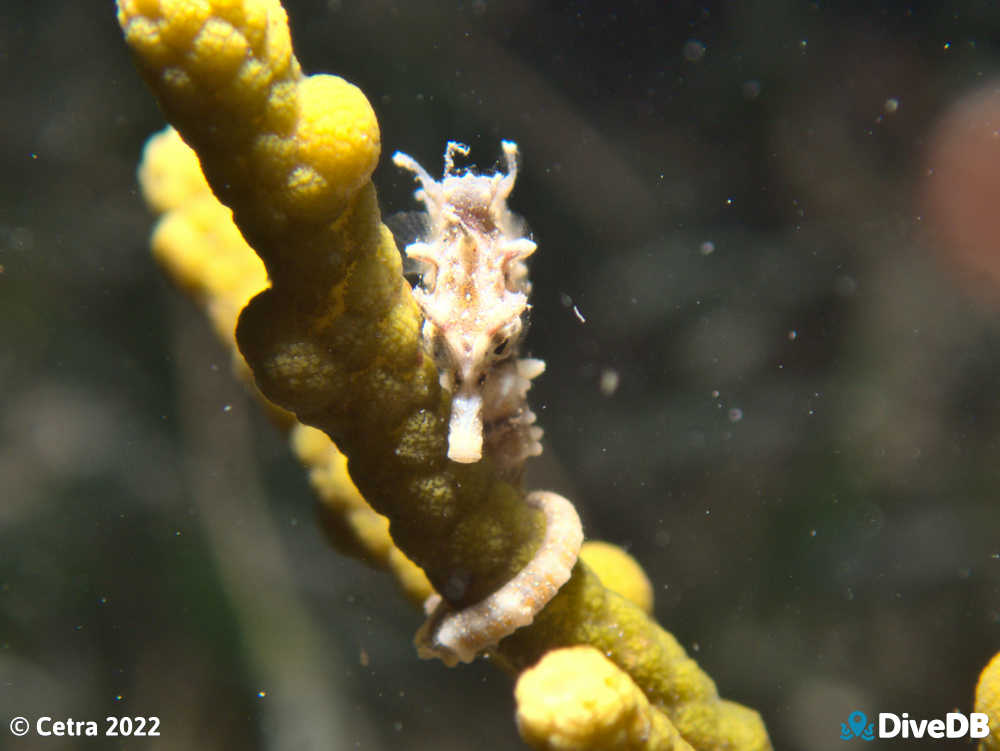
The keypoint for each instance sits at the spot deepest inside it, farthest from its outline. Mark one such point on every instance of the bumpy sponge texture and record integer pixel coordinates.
(575, 699)
(988, 701)
(619, 572)
(204, 253)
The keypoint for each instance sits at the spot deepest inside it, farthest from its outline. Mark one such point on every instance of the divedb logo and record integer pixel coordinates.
(889, 725)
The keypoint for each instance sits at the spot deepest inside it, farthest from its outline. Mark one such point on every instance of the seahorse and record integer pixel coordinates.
(474, 296)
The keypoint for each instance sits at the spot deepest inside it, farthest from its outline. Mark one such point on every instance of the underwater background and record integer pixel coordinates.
(766, 290)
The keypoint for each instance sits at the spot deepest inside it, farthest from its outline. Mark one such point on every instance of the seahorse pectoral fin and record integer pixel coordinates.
(530, 367)
(517, 250)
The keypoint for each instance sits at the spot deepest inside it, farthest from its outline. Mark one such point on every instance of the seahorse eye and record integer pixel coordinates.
(501, 348)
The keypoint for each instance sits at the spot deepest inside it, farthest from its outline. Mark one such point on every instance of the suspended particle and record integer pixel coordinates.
(609, 381)
(693, 51)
